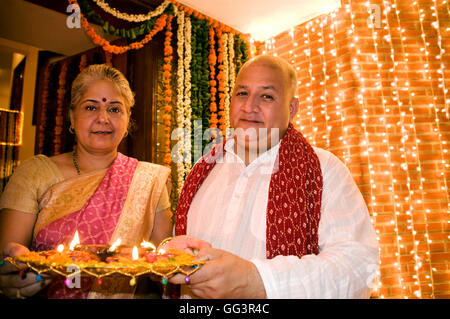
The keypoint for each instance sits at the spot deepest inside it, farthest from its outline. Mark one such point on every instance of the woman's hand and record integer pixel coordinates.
(19, 283)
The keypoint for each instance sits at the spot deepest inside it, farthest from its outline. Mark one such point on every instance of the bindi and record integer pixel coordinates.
(104, 99)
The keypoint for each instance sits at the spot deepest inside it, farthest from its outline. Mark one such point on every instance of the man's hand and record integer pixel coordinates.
(225, 276)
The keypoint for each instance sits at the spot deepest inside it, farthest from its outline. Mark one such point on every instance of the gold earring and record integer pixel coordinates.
(71, 130)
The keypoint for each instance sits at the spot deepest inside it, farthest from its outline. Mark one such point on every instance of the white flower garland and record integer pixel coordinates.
(132, 17)
(226, 104)
(180, 101)
(187, 103)
(232, 68)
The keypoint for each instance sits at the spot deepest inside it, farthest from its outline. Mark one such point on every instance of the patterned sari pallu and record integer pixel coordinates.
(294, 198)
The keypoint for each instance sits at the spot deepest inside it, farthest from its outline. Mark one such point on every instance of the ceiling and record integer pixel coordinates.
(262, 18)
(42, 23)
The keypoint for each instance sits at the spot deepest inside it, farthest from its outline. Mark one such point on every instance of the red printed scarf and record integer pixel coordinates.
(294, 199)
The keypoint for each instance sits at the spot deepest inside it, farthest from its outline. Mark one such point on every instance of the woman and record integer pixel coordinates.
(95, 190)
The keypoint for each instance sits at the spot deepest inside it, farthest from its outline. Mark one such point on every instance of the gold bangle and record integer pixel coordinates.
(164, 241)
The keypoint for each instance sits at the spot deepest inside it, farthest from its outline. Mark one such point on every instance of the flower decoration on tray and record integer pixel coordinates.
(99, 261)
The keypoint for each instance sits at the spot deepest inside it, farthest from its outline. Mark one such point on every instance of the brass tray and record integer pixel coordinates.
(180, 262)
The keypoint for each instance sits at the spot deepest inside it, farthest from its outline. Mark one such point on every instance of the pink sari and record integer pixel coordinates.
(99, 206)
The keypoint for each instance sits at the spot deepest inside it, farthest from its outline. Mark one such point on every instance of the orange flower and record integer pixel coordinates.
(212, 60)
(98, 40)
(167, 75)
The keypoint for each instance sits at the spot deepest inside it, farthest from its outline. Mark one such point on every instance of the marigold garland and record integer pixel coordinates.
(231, 66)
(59, 118)
(226, 99)
(180, 100)
(44, 105)
(212, 60)
(187, 93)
(167, 76)
(221, 81)
(129, 33)
(214, 23)
(160, 24)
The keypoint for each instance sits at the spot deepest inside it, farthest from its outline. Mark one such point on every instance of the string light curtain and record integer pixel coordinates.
(11, 127)
(373, 86)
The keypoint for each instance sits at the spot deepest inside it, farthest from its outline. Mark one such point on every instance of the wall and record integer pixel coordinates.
(6, 58)
(373, 90)
(26, 150)
(34, 25)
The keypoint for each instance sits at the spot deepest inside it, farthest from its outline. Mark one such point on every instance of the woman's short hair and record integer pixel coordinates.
(97, 72)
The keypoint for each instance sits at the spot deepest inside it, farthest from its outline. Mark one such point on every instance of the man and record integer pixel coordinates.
(288, 222)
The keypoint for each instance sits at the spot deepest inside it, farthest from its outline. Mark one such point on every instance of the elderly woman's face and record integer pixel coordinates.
(101, 119)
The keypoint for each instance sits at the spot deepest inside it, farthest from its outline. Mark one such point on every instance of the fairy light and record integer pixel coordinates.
(365, 142)
(310, 99)
(362, 101)
(324, 97)
(405, 165)
(434, 108)
(299, 119)
(339, 99)
(312, 29)
(437, 131)
(18, 131)
(385, 136)
(386, 139)
(442, 85)
(272, 46)
(293, 59)
(404, 139)
(395, 133)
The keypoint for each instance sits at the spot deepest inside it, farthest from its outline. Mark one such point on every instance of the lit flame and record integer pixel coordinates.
(60, 248)
(114, 246)
(135, 253)
(147, 244)
(75, 241)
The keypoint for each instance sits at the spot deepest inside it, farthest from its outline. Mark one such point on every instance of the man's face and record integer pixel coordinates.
(261, 100)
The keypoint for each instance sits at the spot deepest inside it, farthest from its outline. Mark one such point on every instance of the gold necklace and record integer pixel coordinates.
(74, 160)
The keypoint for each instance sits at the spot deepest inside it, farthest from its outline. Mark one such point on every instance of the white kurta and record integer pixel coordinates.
(229, 211)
